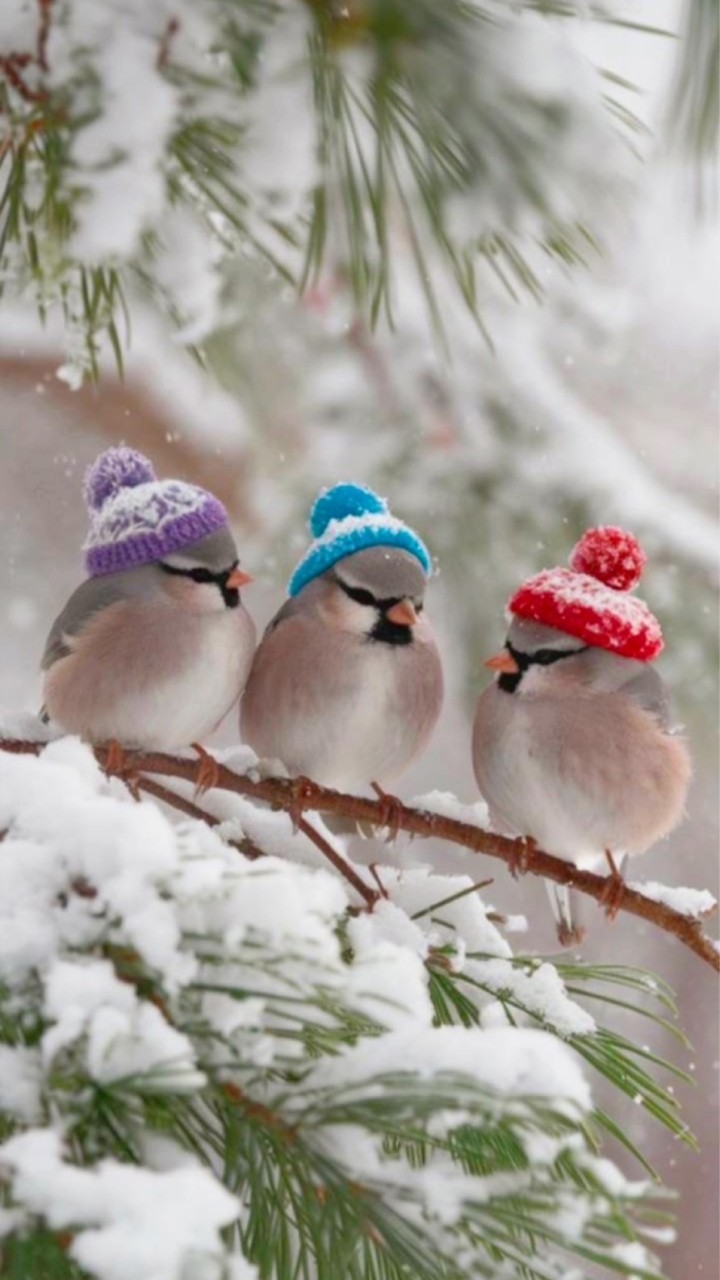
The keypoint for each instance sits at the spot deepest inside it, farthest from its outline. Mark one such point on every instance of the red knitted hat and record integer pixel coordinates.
(590, 600)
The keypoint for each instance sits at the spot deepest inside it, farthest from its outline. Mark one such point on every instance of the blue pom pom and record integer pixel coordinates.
(341, 501)
(116, 469)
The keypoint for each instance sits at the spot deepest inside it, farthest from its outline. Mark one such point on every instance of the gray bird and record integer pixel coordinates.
(154, 648)
(572, 743)
(346, 685)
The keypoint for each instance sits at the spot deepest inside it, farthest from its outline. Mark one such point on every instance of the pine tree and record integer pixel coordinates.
(218, 1058)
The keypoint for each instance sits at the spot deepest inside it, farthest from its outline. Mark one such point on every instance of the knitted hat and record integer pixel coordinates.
(590, 600)
(346, 519)
(136, 519)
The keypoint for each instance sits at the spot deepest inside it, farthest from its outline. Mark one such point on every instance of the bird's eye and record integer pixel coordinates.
(202, 575)
(419, 606)
(358, 594)
(546, 657)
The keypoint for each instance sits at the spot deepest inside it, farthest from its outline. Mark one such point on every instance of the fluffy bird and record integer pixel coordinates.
(346, 685)
(572, 744)
(153, 649)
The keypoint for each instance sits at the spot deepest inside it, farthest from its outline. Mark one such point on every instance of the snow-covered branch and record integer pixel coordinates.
(296, 795)
(208, 1065)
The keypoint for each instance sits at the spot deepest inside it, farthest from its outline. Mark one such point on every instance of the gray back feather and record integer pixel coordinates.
(91, 598)
(215, 552)
(652, 694)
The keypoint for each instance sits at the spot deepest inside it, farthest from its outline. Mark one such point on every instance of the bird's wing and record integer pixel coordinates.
(287, 610)
(651, 693)
(90, 598)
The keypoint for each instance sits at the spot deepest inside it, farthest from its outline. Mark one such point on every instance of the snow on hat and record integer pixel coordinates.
(346, 519)
(590, 600)
(136, 519)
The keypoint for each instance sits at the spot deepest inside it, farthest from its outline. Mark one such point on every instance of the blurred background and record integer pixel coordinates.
(591, 395)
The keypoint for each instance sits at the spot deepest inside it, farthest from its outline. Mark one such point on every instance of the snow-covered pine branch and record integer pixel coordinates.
(211, 1070)
(146, 147)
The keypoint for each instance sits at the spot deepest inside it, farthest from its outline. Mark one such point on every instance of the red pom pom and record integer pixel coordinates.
(611, 555)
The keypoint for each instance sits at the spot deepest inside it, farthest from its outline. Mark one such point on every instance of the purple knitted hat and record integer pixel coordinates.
(136, 519)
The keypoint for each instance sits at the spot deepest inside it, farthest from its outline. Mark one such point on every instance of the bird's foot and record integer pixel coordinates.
(614, 890)
(569, 935)
(115, 759)
(390, 813)
(521, 858)
(208, 772)
(302, 790)
(116, 766)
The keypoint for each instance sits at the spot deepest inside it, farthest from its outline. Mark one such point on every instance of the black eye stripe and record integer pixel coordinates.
(199, 574)
(361, 596)
(358, 594)
(542, 657)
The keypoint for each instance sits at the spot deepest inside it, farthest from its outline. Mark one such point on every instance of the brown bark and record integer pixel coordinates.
(298, 795)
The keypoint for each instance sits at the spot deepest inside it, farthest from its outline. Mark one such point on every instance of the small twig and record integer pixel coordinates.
(43, 33)
(163, 54)
(245, 846)
(369, 896)
(13, 65)
(281, 793)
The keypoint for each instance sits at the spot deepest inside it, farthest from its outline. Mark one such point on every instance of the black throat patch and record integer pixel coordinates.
(387, 632)
(384, 631)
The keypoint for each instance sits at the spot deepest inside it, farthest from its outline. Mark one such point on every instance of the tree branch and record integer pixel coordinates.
(369, 895)
(153, 788)
(285, 793)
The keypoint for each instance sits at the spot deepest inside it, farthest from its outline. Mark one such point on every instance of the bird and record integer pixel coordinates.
(572, 744)
(153, 648)
(346, 684)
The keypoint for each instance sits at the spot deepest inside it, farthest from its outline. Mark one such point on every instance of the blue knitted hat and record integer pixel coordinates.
(346, 519)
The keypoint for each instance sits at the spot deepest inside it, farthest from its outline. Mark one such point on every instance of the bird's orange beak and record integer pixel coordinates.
(503, 662)
(404, 613)
(238, 578)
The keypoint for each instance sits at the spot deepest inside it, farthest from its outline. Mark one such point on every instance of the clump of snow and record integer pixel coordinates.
(448, 909)
(388, 984)
(279, 161)
(126, 1221)
(515, 924)
(507, 1060)
(695, 903)
(186, 267)
(124, 1038)
(387, 923)
(119, 155)
(20, 1081)
(540, 991)
(632, 1254)
(447, 805)
(25, 726)
(71, 830)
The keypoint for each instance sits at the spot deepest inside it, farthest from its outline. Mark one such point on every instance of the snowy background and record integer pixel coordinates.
(599, 404)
